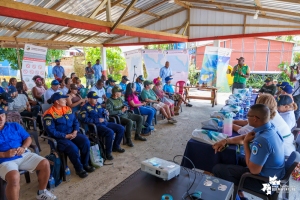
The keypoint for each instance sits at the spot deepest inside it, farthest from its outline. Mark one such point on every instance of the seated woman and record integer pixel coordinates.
(134, 102)
(21, 88)
(39, 90)
(168, 89)
(157, 88)
(115, 106)
(61, 124)
(77, 81)
(74, 99)
(242, 126)
(286, 107)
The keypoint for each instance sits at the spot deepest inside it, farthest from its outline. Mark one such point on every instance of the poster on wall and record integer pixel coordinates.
(134, 64)
(179, 64)
(34, 61)
(214, 67)
(154, 60)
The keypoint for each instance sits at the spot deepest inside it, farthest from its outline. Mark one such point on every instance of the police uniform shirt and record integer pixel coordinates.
(91, 114)
(267, 151)
(289, 118)
(100, 93)
(3, 105)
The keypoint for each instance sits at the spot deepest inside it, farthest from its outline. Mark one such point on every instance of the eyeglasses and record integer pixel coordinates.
(248, 116)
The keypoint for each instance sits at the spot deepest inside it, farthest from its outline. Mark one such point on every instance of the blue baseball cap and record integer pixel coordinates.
(168, 78)
(2, 111)
(141, 77)
(92, 95)
(282, 84)
(56, 96)
(11, 89)
(55, 82)
(283, 100)
(6, 97)
(57, 60)
(288, 89)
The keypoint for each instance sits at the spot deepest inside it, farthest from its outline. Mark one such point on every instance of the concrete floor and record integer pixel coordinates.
(169, 140)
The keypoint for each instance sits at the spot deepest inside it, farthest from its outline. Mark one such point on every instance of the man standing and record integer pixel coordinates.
(15, 156)
(240, 73)
(98, 70)
(54, 88)
(264, 156)
(268, 87)
(296, 95)
(4, 84)
(123, 83)
(58, 71)
(89, 74)
(165, 71)
(100, 91)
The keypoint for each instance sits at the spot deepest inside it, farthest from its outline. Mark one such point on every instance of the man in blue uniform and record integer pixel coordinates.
(264, 156)
(14, 156)
(5, 98)
(123, 84)
(61, 124)
(92, 112)
(139, 84)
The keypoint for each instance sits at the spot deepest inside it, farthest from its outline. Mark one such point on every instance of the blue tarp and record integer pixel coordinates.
(5, 69)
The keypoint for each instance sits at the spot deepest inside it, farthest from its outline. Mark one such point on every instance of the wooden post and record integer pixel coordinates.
(18, 56)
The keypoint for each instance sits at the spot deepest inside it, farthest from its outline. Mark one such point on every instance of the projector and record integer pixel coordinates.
(160, 168)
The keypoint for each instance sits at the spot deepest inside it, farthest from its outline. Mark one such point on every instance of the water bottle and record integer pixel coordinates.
(220, 126)
(68, 173)
(250, 92)
(247, 106)
(241, 114)
(237, 102)
(227, 124)
(51, 183)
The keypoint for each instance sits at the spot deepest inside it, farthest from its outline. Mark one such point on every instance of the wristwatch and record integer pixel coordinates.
(25, 148)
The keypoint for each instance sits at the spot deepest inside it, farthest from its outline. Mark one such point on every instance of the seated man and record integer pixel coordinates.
(268, 87)
(92, 112)
(5, 98)
(100, 91)
(139, 84)
(264, 152)
(61, 124)
(14, 156)
(54, 88)
(115, 106)
(286, 90)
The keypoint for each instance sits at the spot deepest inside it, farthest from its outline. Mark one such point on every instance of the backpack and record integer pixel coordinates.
(55, 167)
(146, 130)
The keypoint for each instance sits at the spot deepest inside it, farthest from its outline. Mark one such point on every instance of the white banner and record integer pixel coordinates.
(34, 62)
(134, 64)
(154, 60)
(179, 64)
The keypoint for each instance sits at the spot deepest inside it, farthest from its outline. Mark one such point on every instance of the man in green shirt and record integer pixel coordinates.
(240, 74)
(115, 106)
(268, 87)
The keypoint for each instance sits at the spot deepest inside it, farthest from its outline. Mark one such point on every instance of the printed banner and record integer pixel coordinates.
(34, 61)
(134, 64)
(179, 64)
(154, 60)
(214, 67)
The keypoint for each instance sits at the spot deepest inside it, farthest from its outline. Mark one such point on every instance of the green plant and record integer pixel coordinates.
(10, 54)
(53, 54)
(193, 74)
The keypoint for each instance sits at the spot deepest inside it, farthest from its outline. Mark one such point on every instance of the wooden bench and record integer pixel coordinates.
(212, 98)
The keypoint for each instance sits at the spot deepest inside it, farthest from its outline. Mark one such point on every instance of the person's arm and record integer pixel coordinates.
(50, 128)
(54, 72)
(240, 122)
(247, 75)
(145, 98)
(233, 140)
(72, 105)
(274, 89)
(75, 124)
(161, 72)
(35, 94)
(261, 90)
(93, 71)
(64, 75)
(132, 104)
(85, 117)
(236, 128)
(234, 70)
(111, 109)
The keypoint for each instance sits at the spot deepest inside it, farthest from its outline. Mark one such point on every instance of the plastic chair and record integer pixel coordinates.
(290, 165)
(26, 173)
(179, 87)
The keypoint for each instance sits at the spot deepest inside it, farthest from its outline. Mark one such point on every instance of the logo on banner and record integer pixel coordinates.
(41, 73)
(27, 65)
(33, 66)
(31, 72)
(40, 67)
(25, 71)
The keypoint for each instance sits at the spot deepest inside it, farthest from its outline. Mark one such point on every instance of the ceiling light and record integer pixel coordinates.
(171, 1)
(256, 15)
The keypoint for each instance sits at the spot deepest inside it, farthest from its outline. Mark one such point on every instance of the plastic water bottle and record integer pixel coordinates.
(68, 173)
(237, 102)
(250, 92)
(227, 124)
(241, 114)
(247, 106)
(220, 126)
(51, 182)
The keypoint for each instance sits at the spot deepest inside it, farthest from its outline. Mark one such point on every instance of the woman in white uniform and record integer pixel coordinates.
(286, 107)
(242, 126)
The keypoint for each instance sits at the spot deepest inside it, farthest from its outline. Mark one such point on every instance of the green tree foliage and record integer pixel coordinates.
(10, 54)
(114, 60)
(53, 54)
(160, 46)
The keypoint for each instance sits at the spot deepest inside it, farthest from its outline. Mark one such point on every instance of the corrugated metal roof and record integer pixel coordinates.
(43, 31)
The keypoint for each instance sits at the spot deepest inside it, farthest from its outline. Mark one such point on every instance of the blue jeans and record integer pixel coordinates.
(108, 131)
(149, 111)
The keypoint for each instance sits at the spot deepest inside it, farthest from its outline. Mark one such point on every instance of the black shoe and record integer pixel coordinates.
(109, 157)
(138, 137)
(189, 105)
(82, 174)
(129, 142)
(120, 150)
(89, 168)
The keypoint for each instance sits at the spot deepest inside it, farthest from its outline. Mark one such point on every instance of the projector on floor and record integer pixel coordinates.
(160, 168)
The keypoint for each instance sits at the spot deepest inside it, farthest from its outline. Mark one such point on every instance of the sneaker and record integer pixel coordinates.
(89, 168)
(46, 195)
(82, 174)
(172, 121)
(189, 105)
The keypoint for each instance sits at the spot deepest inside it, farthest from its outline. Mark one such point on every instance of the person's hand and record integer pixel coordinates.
(101, 120)
(74, 134)
(249, 137)
(104, 96)
(68, 136)
(241, 73)
(10, 153)
(124, 109)
(219, 146)
(144, 103)
(20, 150)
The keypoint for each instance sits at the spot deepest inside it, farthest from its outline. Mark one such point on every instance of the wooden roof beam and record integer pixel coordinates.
(123, 15)
(143, 11)
(100, 7)
(182, 4)
(258, 4)
(138, 10)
